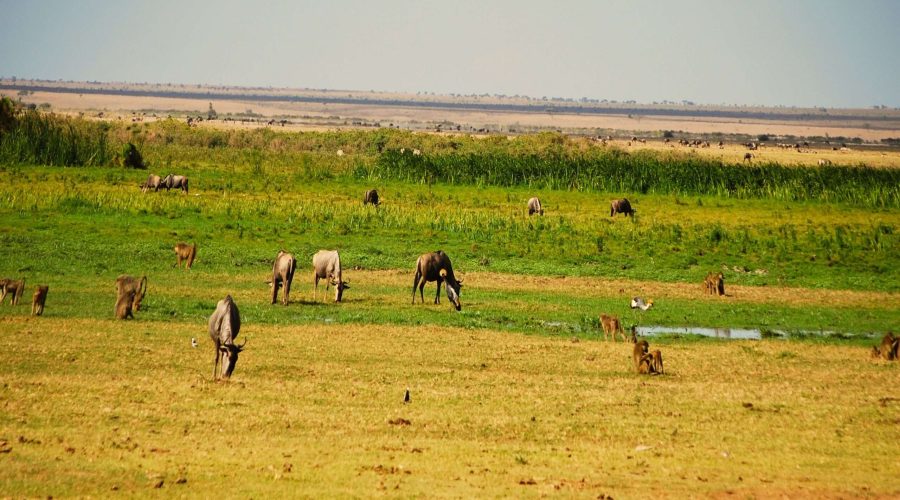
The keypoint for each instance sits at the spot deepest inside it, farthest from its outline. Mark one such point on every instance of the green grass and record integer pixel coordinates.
(83, 227)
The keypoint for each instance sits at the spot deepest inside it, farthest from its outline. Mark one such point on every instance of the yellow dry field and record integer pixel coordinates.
(322, 116)
(102, 408)
(734, 153)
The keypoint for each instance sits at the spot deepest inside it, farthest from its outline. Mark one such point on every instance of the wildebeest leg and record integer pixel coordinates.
(437, 297)
(275, 283)
(216, 361)
(287, 290)
(416, 285)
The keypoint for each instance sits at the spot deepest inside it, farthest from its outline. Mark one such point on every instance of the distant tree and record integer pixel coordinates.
(211, 114)
(668, 134)
(8, 111)
(763, 137)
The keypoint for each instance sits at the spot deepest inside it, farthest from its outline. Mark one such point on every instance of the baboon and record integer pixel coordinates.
(890, 344)
(38, 299)
(656, 365)
(130, 292)
(611, 325)
(186, 253)
(124, 303)
(639, 352)
(715, 283)
(645, 362)
(13, 287)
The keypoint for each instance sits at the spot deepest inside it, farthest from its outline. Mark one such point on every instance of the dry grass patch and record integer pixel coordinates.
(318, 410)
(602, 287)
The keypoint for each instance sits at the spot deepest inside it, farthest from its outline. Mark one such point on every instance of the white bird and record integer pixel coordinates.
(638, 303)
(193, 342)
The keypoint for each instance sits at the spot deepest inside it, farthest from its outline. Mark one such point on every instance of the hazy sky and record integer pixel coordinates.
(805, 53)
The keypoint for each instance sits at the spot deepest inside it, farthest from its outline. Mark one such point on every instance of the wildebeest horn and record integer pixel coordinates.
(241, 347)
(443, 273)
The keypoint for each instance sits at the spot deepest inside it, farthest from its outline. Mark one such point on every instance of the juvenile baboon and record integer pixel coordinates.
(715, 283)
(186, 253)
(656, 364)
(13, 287)
(645, 365)
(130, 292)
(38, 299)
(611, 325)
(890, 344)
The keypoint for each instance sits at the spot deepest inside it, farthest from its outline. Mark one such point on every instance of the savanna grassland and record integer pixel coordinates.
(516, 395)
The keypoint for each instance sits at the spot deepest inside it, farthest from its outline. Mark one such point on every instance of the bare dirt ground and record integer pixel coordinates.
(318, 115)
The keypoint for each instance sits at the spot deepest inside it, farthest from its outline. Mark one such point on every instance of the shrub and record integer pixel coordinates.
(132, 157)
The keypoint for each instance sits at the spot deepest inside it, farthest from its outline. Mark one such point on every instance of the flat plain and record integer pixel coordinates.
(516, 395)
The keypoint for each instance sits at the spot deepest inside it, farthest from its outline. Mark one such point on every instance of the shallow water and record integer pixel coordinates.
(721, 333)
(738, 333)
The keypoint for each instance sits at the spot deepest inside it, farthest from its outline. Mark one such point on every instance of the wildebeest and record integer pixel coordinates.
(824, 162)
(14, 288)
(283, 275)
(534, 206)
(327, 266)
(224, 326)
(622, 206)
(748, 157)
(173, 181)
(130, 292)
(371, 197)
(153, 182)
(436, 266)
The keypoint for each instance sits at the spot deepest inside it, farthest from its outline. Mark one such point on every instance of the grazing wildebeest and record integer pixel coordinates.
(224, 326)
(14, 288)
(153, 182)
(823, 162)
(371, 197)
(622, 206)
(173, 181)
(130, 292)
(436, 266)
(534, 206)
(283, 275)
(748, 157)
(327, 266)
